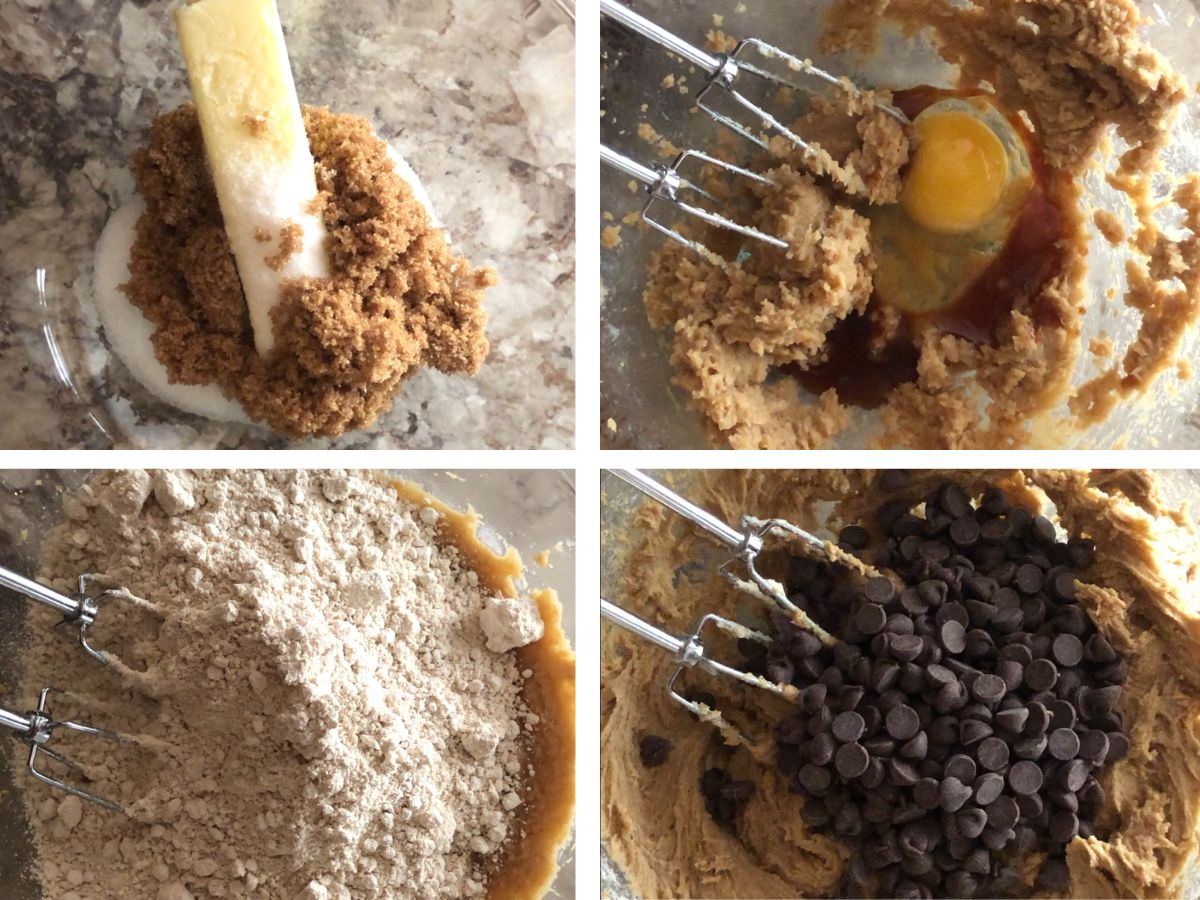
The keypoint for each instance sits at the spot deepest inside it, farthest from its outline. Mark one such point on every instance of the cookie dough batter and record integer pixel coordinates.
(1080, 72)
(1141, 594)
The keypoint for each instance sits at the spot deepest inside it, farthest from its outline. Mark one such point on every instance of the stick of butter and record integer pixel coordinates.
(256, 146)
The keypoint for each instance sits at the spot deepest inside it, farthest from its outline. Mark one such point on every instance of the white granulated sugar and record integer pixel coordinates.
(322, 715)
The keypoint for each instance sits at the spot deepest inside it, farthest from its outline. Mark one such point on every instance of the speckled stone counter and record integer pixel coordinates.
(479, 100)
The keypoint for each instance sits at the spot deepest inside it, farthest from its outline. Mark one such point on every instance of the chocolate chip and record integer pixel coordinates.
(739, 791)
(1064, 799)
(1053, 876)
(1064, 743)
(879, 589)
(1093, 746)
(912, 678)
(964, 532)
(987, 788)
(992, 754)
(1003, 813)
(953, 794)
(870, 618)
(971, 823)
(926, 793)
(1029, 579)
(1025, 777)
(880, 745)
(979, 612)
(988, 688)
(1068, 650)
(885, 675)
(848, 821)
(1063, 587)
(873, 777)
(820, 721)
(850, 696)
(1012, 719)
(906, 647)
(902, 773)
(854, 536)
(953, 612)
(1064, 825)
(1031, 805)
(815, 779)
(1041, 674)
(913, 602)
(821, 749)
(933, 592)
(1062, 714)
(1017, 653)
(1072, 775)
(848, 726)
(1031, 746)
(805, 644)
(902, 722)
(781, 671)
(972, 731)
(938, 676)
(812, 697)
(1103, 700)
(961, 767)
(961, 884)
(1099, 650)
(996, 531)
(916, 747)
(1118, 746)
(951, 697)
(953, 637)
(654, 750)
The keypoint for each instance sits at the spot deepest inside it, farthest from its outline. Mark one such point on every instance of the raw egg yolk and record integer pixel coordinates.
(958, 173)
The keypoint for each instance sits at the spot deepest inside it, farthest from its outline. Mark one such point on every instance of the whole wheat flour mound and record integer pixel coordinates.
(317, 715)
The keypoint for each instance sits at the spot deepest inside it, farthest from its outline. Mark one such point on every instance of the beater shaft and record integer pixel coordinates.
(665, 183)
(745, 544)
(72, 609)
(37, 729)
(80, 610)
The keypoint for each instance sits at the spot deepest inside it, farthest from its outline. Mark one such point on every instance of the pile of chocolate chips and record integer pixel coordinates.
(961, 721)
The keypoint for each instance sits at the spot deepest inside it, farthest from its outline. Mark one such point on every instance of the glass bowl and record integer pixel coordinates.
(529, 510)
(475, 98)
(637, 393)
(619, 501)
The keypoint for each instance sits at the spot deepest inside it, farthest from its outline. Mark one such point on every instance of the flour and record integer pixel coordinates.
(320, 717)
(509, 623)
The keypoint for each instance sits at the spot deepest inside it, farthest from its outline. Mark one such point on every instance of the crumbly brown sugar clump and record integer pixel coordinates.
(399, 297)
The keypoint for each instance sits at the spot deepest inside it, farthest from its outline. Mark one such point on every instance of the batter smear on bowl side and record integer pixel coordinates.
(947, 299)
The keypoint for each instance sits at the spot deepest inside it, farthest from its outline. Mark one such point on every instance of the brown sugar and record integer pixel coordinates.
(256, 125)
(291, 242)
(399, 297)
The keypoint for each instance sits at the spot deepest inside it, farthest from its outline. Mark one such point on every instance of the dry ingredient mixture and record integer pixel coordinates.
(1081, 73)
(685, 815)
(329, 708)
(399, 297)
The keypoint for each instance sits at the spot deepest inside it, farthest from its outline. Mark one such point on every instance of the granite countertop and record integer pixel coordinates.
(477, 97)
